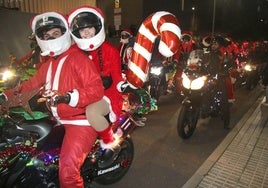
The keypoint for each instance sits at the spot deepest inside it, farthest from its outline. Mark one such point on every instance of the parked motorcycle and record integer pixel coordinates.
(30, 148)
(205, 95)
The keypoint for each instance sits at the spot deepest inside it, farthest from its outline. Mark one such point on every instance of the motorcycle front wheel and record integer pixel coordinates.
(121, 165)
(225, 110)
(154, 87)
(187, 121)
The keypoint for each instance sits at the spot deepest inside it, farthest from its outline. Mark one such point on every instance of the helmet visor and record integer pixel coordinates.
(47, 23)
(186, 38)
(84, 20)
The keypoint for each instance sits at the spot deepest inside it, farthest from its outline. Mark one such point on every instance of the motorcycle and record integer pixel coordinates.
(156, 81)
(8, 77)
(160, 79)
(15, 71)
(30, 148)
(248, 74)
(205, 95)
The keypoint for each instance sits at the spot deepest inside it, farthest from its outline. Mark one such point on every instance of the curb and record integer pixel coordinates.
(217, 153)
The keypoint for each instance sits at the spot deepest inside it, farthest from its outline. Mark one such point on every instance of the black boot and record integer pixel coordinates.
(108, 157)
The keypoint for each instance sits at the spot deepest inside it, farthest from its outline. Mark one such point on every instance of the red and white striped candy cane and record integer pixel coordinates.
(163, 24)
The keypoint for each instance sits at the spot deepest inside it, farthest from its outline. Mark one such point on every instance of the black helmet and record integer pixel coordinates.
(47, 23)
(83, 20)
(186, 37)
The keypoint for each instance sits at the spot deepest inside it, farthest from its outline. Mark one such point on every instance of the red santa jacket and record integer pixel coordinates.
(122, 52)
(108, 63)
(71, 71)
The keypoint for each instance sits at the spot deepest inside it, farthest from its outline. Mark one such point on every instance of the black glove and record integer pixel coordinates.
(56, 97)
(126, 88)
(62, 99)
(3, 99)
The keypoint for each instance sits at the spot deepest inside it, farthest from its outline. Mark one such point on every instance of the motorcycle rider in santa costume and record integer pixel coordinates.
(71, 82)
(87, 29)
(180, 57)
(126, 40)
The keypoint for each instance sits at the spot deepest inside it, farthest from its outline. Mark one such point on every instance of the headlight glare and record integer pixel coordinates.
(156, 70)
(195, 84)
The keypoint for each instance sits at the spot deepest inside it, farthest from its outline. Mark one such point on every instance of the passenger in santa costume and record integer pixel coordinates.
(87, 29)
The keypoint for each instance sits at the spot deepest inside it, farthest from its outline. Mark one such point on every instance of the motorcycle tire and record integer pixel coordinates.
(155, 89)
(124, 161)
(154, 92)
(187, 121)
(225, 109)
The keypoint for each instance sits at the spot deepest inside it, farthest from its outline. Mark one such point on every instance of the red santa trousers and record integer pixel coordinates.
(77, 143)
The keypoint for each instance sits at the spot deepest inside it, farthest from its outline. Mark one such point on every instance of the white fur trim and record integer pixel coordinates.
(233, 80)
(112, 115)
(57, 74)
(74, 98)
(112, 144)
(81, 122)
(118, 86)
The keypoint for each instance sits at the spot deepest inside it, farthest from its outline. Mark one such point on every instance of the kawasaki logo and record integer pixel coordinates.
(108, 169)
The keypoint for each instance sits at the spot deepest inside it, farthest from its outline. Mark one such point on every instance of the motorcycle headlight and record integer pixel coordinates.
(195, 84)
(7, 75)
(249, 67)
(156, 70)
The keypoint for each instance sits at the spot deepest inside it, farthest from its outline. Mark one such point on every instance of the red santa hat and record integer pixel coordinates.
(186, 35)
(126, 31)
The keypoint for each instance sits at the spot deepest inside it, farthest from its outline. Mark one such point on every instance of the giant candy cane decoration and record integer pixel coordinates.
(163, 24)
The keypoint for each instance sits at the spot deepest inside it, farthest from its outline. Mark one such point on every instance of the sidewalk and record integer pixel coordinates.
(241, 160)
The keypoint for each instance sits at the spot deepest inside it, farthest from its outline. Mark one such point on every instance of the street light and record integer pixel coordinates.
(193, 23)
(213, 17)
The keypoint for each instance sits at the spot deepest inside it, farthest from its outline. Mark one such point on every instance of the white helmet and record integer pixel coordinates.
(196, 58)
(46, 21)
(87, 16)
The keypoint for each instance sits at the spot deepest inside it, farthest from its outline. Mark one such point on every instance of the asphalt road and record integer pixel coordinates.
(164, 160)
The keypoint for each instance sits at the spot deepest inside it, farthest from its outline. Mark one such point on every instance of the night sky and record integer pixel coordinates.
(240, 19)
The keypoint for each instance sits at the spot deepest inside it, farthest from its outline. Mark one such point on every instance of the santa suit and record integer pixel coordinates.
(70, 71)
(110, 67)
(123, 55)
(226, 52)
(181, 57)
(187, 47)
(125, 50)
